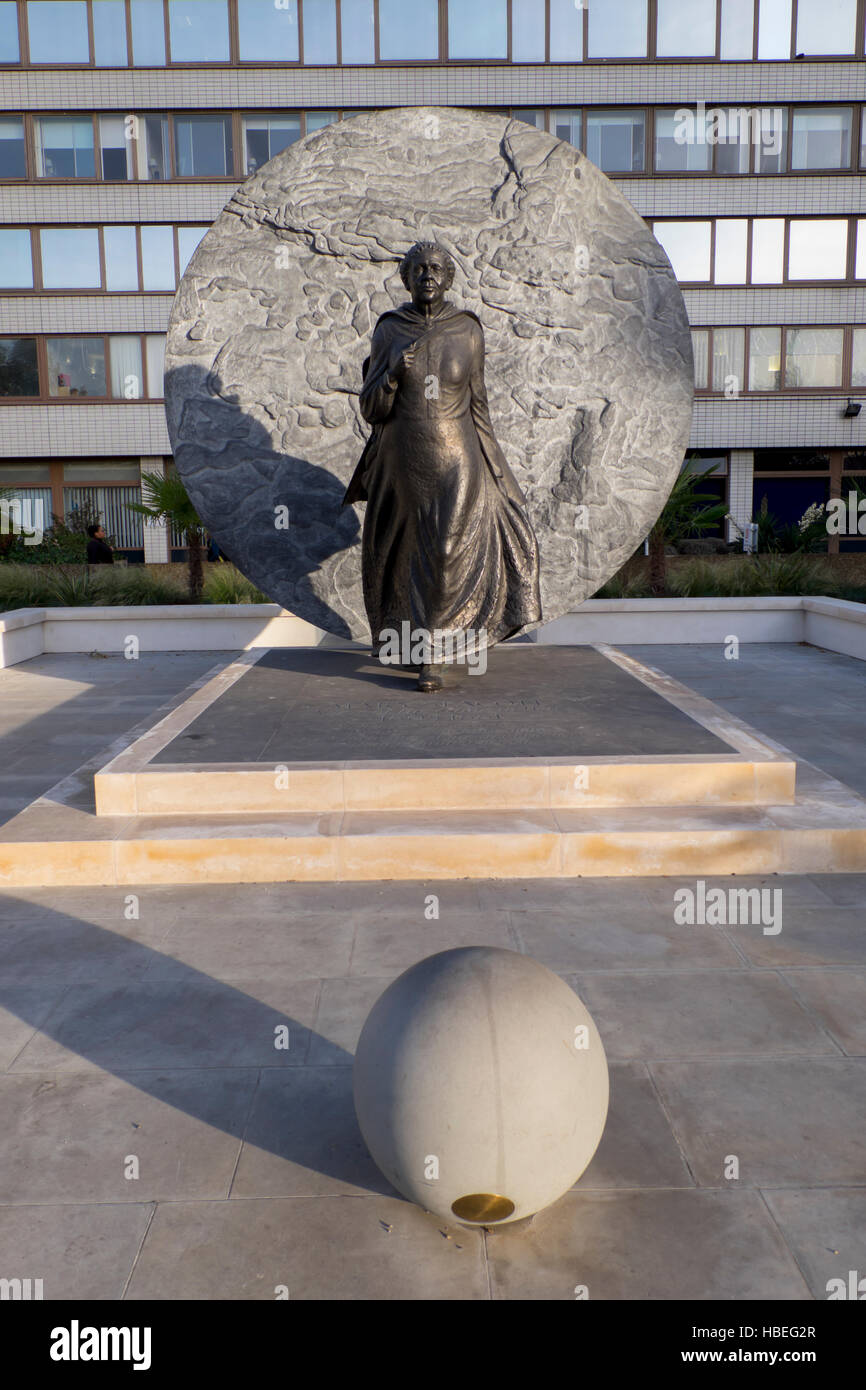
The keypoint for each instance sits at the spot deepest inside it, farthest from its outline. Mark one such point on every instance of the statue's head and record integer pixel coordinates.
(427, 271)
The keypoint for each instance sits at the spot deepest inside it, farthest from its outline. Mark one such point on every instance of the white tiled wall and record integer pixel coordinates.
(86, 313)
(89, 431)
(451, 85)
(741, 472)
(776, 304)
(765, 423)
(156, 536)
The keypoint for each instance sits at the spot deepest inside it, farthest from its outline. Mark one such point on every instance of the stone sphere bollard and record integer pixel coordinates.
(481, 1085)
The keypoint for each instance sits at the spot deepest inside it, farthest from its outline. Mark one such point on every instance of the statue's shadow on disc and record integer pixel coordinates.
(278, 517)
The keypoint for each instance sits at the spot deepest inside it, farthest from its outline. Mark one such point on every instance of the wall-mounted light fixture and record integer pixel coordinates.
(851, 411)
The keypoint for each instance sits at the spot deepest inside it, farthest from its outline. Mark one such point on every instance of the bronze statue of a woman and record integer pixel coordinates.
(447, 544)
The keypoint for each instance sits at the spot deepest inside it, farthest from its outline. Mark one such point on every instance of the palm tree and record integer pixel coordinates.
(166, 499)
(681, 516)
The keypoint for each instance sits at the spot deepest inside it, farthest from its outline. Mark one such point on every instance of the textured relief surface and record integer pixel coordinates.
(589, 365)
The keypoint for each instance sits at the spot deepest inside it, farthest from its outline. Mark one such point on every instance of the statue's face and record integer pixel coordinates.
(427, 275)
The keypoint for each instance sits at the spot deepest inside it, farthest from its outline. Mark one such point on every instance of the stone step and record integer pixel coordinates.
(448, 785)
(55, 844)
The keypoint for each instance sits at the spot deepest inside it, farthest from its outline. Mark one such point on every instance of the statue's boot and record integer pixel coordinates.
(430, 678)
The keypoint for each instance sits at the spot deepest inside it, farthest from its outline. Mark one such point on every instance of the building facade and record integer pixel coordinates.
(737, 129)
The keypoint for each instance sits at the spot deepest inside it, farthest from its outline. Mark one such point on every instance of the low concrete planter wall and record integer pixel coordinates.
(664, 620)
(831, 623)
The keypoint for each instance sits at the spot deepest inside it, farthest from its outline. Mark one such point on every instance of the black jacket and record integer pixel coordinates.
(99, 552)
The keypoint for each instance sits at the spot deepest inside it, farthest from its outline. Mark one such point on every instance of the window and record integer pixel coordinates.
(58, 31)
(13, 164)
(821, 138)
(566, 125)
(768, 246)
(774, 29)
(157, 258)
(19, 373)
(729, 353)
(618, 29)
(687, 245)
(148, 33)
(734, 130)
(188, 239)
(266, 136)
(110, 505)
(479, 30)
(203, 145)
(116, 154)
(765, 359)
(825, 26)
(267, 34)
(76, 367)
(686, 29)
(16, 259)
(198, 31)
(99, 468)
(27, 472)
(813, 357)
(616, 140)
(70, 258)
(681, 143)
(408, 31)
(700, 351)
(9, 51)
(154, 350)
(817, 250)
(127, 382)
(320, 31)
(771, 150)
(527, 31)
(64, 148)
(530, 115)
(152, 145)
(860, 263)
(356, 31)
(109, 33)
(736, 29)
(731, 241)
(858, 357)
(317, 120)
(566, 31)
(121, 258)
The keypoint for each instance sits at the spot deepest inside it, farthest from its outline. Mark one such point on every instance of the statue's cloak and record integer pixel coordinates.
(447, 542)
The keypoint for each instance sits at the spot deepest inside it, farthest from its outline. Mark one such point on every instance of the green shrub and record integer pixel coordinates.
(57, 586)
(137, 586)
(59, 546)
(757, 576)
(24, 586)
(634, 585)
(72, 588)
(694, 580)
(225, 584)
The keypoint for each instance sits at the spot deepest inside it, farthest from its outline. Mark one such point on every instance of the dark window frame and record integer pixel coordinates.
(45, 398)
(845, 389)
(848, 281)
(443, 58)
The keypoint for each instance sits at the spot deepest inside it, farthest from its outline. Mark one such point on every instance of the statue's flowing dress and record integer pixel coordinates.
(447, 544)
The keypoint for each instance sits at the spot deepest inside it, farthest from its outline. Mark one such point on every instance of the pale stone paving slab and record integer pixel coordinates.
(383, 1248)
(825, 1229)
(789, 1120)
(79, 1251)
(647, 1245)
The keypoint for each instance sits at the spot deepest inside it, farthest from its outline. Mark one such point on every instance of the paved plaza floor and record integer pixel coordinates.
(155, 1144)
